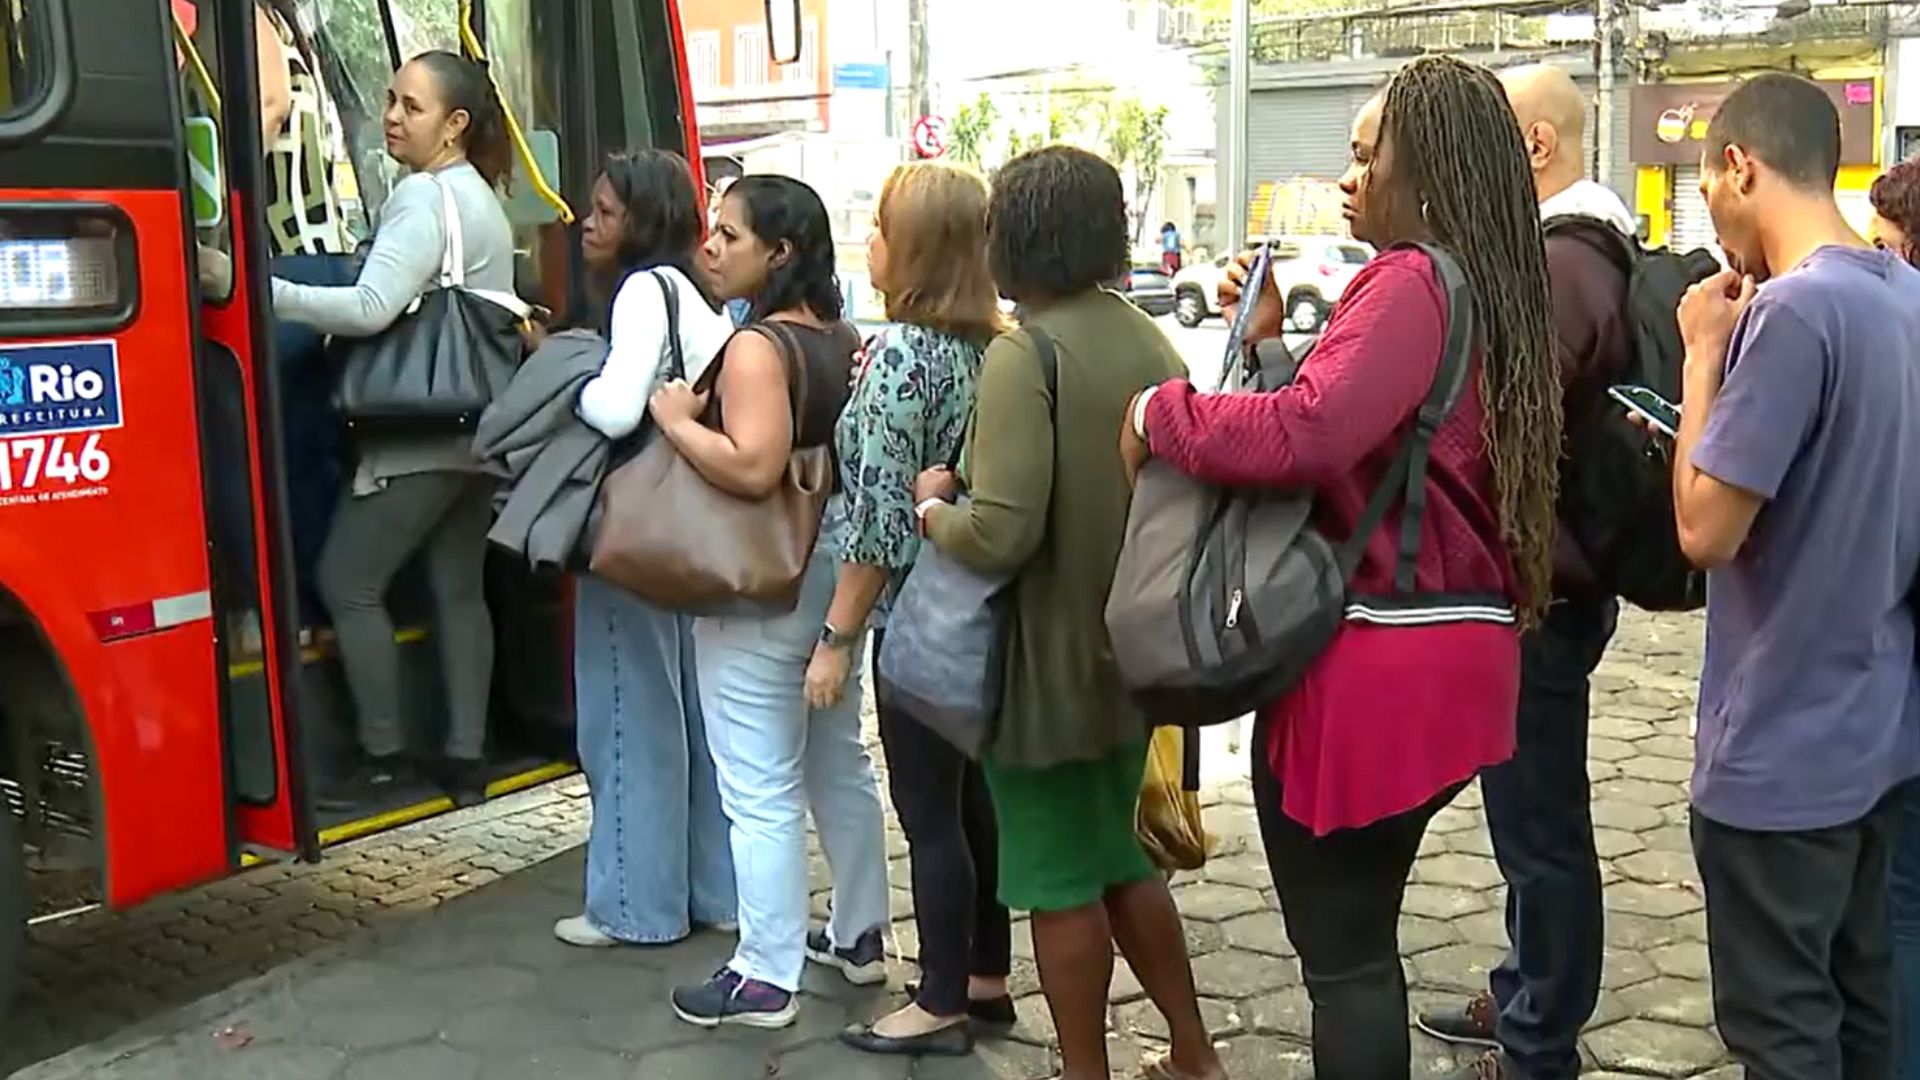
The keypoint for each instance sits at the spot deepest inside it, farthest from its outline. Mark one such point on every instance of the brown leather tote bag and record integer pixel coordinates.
(674, 540)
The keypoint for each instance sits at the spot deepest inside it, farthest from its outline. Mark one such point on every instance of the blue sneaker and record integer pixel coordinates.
(728, 998)
(864, 965)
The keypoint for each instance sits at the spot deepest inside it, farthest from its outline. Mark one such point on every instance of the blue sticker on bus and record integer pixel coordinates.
(51, 389)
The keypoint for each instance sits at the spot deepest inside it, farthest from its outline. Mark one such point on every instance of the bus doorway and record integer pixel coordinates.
(165, 712)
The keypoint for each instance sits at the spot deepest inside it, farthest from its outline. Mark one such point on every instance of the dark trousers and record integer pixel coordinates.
(1340, 895)
(312, 436)
(947, 815)
(1798, 943)
(1903, 899)
(1541, 822)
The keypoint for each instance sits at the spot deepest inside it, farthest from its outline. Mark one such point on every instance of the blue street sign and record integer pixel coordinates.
(860, 76)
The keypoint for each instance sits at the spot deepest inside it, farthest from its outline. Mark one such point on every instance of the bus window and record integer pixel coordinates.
(198, 57)
(224, 424)
(625, 116)
(25, 74)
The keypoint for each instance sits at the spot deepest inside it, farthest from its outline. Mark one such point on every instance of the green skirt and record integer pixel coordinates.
(1066, 831)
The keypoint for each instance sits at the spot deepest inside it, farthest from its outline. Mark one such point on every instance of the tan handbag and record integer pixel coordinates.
(671, 538)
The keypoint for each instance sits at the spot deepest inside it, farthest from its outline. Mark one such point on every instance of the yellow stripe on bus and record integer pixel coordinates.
(407, 815)
(313, 654)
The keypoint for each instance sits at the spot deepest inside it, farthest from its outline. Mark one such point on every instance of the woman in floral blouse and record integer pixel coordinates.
(909, 412)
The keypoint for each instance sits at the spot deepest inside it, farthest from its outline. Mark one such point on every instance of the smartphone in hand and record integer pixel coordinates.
(1660, 414)
(1233, 371)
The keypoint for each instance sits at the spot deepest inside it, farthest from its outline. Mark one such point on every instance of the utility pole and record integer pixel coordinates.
(1239, 89)
(917, 58)
(1605, 22)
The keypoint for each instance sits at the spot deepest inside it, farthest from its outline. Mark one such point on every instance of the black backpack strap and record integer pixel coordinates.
(1049, 373)
(677, 362)
(1407, 476)
(1049, 366)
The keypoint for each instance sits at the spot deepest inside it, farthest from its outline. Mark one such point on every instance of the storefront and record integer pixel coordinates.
(1669, 127)
(1300, 119)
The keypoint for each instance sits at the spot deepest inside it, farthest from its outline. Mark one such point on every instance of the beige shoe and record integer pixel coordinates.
(579, 930)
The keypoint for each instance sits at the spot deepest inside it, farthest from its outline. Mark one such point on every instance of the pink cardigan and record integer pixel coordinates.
(1388, 716)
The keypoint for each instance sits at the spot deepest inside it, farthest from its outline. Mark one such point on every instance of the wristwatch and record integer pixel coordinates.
(834, 639)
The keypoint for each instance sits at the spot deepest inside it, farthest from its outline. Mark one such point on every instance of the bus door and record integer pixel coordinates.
(105, 590)
(252, 576)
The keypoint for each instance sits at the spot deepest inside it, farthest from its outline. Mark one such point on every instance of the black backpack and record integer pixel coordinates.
(1223, 598)
(1616, 485)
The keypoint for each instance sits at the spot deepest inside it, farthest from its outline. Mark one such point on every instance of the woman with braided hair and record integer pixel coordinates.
(1399, 712)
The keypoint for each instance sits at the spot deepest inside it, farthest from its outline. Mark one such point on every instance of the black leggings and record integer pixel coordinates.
(1340, 895)
(947, 816)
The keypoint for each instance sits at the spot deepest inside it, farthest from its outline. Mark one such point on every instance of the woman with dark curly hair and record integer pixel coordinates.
(1896, 211)
(1397, 715)
(776, 757)
(1048, 508)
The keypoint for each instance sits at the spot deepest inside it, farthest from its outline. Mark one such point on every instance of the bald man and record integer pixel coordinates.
(1537, 803)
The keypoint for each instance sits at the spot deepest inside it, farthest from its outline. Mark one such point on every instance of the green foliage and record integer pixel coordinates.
(1137, 139)
(970, 130)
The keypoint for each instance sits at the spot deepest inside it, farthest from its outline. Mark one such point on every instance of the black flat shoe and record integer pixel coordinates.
(991, 1012)
(954, 1040)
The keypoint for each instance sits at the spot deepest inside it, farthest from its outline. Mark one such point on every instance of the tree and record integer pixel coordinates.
(972, 127)
(1137, 139)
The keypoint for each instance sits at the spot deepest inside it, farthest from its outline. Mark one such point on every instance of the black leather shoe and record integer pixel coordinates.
(954, 1040)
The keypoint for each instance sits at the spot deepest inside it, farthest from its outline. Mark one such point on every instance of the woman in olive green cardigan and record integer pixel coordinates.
(1048, 502)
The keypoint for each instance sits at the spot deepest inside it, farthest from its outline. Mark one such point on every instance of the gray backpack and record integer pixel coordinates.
(1223, 597)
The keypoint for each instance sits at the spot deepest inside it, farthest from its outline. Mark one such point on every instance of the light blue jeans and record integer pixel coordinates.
(657, 853)
(776, 757)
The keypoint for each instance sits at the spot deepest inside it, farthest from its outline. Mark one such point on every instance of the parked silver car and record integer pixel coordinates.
(1311, 273)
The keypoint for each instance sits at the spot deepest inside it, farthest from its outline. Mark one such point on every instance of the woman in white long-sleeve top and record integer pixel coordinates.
(658, 861)
(416, 494)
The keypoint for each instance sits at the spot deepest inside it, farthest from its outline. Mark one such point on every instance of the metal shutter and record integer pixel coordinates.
(1692, 225)
(1301, 131)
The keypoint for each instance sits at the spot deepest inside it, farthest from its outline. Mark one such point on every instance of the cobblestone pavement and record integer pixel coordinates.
(478, 988)
(91, 976)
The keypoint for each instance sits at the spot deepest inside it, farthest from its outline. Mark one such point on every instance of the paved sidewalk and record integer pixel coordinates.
(479, 988)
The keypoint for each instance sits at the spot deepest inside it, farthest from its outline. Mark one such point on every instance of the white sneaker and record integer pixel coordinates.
(579, 930)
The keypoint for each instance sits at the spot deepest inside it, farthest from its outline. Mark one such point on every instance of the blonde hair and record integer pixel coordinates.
(933, 217)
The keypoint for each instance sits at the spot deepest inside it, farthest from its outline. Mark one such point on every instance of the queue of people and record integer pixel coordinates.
(709, 735)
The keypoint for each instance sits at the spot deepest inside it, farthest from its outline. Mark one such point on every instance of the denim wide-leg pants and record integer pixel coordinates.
(658, 857)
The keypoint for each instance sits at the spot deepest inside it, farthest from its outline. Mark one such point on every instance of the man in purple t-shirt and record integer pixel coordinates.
(1797, 483)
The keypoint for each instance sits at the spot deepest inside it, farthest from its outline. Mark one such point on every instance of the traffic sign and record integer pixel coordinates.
(860, 76)
(930, 136)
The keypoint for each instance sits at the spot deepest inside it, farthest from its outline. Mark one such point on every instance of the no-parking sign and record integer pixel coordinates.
(930, 136)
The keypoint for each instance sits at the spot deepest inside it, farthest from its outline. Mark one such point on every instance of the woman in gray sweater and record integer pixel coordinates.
(416, 494)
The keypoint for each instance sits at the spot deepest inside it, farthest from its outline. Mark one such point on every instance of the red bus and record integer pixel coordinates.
(161, 712)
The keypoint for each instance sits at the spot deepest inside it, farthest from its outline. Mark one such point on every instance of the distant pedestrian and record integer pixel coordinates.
(1896, 211)
(1401, 710)
(1170, 257)
(1537, 804)
(1797, 483)
(1048, 508)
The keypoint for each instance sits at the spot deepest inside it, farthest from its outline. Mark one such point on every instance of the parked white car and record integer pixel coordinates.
(1311, 273)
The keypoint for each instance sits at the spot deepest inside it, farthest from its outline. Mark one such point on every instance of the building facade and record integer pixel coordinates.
(740, 93)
